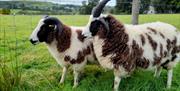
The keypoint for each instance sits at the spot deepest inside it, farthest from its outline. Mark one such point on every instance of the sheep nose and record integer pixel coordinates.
(84, 36)
(33, 42)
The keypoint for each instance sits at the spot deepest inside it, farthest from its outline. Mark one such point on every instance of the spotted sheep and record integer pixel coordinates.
(66, 44)
(123, 48)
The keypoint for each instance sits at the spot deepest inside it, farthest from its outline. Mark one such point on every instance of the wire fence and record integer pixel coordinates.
(14, 48)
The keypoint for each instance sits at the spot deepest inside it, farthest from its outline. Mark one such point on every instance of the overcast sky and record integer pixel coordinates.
(76, 2)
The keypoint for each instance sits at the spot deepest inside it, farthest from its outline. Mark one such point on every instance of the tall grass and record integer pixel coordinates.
(10, 74)
(9, 77)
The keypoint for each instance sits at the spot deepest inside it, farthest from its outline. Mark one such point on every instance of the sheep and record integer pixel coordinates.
(66, 44)
(123, 48)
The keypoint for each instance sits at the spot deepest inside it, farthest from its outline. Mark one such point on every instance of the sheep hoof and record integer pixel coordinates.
(75, 86)
(61, 83)
(168, 87)
(155, 76)
(115, 89)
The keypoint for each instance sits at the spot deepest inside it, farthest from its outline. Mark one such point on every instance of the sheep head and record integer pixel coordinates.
(46, 27)
(96, 20)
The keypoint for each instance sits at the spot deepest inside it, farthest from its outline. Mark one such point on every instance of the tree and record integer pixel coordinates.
(144, 6)
(86, 9)
(167, 6)
(5, 11)
(123, 6)
(135, 11)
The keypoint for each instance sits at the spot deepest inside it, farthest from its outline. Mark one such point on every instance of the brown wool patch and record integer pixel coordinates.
(80, 56)
(67, 58)
(115, 43)
(168, 44)
(173, 58)
(164, 65)
(64, 39)
(137, 49)
(161, 35)
(153, 30)
(175, 50)
(142, 62)
(152, 42)
(161, 50)
(174, 42)
(87, 51)
(137, 53)
(157, 60)
(80, 36)
(174, 46)
(165, 53)
(142, 39)
(92, 50)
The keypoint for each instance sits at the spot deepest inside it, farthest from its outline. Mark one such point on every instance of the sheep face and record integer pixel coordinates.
(94, 26)
(96, 20)
(45, 29)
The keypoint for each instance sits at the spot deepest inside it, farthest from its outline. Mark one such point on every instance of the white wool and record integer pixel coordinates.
(75, 46)
(134, 32)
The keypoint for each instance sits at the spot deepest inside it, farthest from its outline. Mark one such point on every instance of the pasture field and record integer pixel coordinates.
(24, 67)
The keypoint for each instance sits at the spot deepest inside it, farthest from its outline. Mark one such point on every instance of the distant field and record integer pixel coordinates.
(40, 72)
(15, 11)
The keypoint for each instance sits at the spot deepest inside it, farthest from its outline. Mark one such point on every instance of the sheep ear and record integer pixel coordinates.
(106, 25)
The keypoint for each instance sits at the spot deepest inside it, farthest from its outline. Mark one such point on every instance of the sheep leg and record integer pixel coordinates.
(117, 80)
(76, 78)
(158, 71)
(78, 68)
(63, 75)
(169, 79)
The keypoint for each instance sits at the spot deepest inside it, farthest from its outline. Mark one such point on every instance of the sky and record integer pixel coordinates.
(75, 2)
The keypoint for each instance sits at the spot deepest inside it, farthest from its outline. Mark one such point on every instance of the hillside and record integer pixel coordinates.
(25, 7)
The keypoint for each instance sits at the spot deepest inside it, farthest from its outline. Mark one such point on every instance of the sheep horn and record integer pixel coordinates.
(98, 9)
(45, 16)
(59, 24)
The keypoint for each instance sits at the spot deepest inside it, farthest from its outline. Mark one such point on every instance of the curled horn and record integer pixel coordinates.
(45, 16)
(58, 24)
(98, 9)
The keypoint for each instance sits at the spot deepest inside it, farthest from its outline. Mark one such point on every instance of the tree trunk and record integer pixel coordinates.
(135, 11)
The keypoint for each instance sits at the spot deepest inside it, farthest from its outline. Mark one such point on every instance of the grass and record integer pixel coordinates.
(25, 67)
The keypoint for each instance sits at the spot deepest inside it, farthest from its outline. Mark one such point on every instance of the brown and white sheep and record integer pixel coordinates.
(66, 44)
(123, 48)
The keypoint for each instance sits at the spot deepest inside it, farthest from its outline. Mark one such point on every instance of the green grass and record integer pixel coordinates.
(32, 68)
